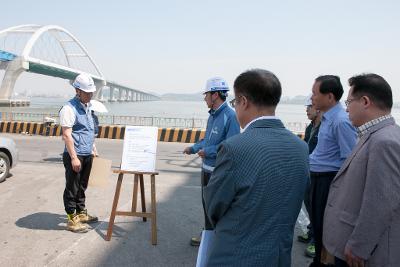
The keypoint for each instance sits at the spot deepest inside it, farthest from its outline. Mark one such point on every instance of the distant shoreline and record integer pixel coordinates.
(297, 100)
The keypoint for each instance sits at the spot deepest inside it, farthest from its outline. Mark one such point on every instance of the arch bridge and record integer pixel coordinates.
(53, 51)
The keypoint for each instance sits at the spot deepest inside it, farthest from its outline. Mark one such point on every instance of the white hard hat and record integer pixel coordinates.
(98, 106)
(308, 101)
(85, 83)
(216, 84)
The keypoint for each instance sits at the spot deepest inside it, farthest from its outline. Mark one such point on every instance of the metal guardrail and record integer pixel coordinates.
(160, 122)
(296, 127)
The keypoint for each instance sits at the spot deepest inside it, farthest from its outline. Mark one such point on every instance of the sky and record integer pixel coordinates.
(175, 46)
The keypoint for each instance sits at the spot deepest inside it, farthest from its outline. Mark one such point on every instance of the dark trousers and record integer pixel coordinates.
(320, 183)
(307, 204)
(76, 183)
(340, 263)
(205, 177)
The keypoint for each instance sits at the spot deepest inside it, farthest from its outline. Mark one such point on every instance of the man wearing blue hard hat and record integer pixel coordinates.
(78, 134)
(221, 124)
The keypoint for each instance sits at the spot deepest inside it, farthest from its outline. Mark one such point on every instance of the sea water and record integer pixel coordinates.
(293, 114)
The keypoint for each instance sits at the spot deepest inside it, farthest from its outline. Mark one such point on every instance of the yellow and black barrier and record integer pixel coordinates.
(164, 134)
(105, 131)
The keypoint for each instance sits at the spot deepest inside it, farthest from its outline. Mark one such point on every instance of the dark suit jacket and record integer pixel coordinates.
(311, 140)
(254, 196)
(363, 208)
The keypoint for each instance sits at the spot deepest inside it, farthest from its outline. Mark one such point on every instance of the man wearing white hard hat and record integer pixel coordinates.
(221, 124)
(311, 138)
(78, 134)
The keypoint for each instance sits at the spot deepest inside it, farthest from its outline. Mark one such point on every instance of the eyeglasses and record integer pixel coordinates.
(234, 101)
(348, 101)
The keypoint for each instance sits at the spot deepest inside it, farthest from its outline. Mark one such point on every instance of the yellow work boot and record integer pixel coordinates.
(84, 217)
(310, 251)
(195, 241)
(74, 225)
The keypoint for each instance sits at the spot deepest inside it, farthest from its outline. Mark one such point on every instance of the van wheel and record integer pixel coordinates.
(4, 166)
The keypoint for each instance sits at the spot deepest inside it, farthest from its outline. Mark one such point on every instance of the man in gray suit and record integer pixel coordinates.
(362, 216)
(256, 190)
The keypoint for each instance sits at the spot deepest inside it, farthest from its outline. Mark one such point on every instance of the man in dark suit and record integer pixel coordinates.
(256, 190)
(362, 216)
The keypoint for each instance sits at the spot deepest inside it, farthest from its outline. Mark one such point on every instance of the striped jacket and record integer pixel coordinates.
(254, 196)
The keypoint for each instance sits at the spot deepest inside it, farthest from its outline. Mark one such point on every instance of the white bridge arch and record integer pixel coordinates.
(24, 47)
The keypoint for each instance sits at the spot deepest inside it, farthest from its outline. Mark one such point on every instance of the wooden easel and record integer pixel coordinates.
(133, 212)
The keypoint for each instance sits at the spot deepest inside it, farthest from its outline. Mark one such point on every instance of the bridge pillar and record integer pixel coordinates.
(111, 97)
(13, 70)
(99, 89)
(100, 95)
(119, 94)
(125, 95)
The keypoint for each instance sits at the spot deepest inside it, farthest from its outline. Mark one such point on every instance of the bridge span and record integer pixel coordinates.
(53, 51)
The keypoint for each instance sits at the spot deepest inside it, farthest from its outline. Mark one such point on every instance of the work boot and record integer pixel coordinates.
(305, 238)
(310, 250)
(84, 217)
(195, 241)
(74, 225)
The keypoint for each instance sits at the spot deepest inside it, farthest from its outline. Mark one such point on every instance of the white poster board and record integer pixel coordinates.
(140, 148)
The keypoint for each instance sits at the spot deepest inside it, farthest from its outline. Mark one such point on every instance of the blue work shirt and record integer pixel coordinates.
(221, 124)
(336, 139)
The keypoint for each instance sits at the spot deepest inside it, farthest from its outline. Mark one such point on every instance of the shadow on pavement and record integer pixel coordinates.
(42, 221)
(52, 159)
(52, 221)
(101, 230)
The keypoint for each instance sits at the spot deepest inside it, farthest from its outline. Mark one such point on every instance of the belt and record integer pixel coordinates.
(317, 174)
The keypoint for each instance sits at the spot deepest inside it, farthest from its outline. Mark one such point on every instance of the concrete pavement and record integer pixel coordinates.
(32, 217)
